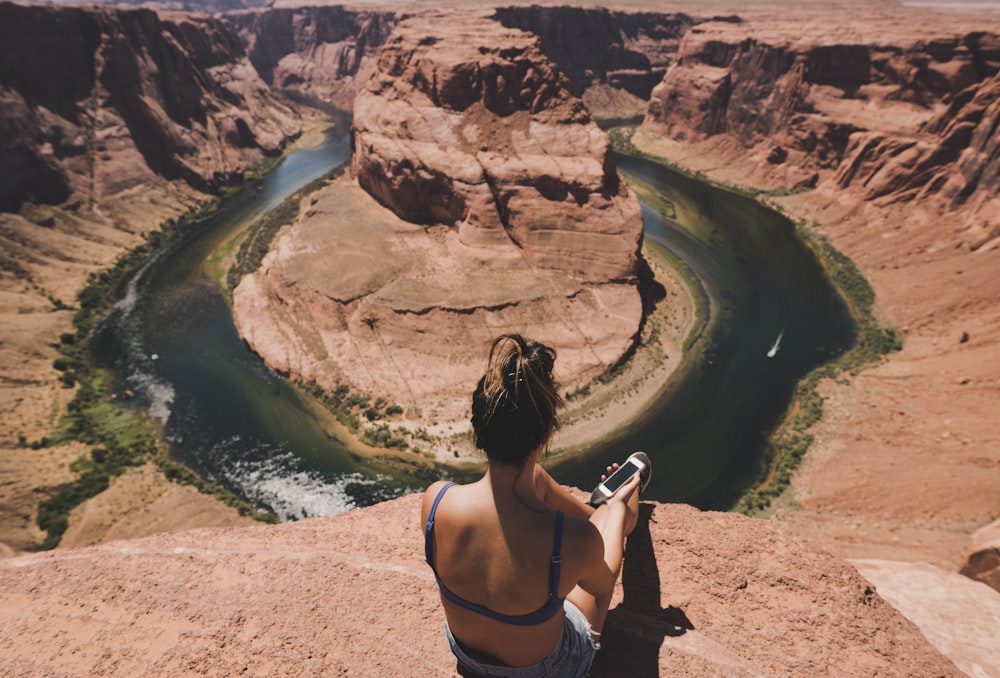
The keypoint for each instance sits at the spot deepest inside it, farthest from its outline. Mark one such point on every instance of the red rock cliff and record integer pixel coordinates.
(95, 101)
(630, 51)
(481, 132)
(325, 52)
(914, 120)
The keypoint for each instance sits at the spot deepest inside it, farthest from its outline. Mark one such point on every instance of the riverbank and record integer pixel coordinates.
(70, 249)
(624, 396)
(903, 464)
(432, 436)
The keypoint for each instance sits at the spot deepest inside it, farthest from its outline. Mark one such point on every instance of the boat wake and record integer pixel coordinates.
(777, 345)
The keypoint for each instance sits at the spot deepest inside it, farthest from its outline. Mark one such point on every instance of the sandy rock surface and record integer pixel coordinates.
(958, 616)
(498, 208)
(702, 594)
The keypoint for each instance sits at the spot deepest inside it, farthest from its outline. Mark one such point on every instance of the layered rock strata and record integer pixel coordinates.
(490, 202)
(111, 123)
(911, 121)
(96, 101)
(891, 118)
(613, 58)
(482, 133)
(327, 53)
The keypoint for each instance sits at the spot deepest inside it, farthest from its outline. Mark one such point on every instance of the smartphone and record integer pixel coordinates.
(620, 477)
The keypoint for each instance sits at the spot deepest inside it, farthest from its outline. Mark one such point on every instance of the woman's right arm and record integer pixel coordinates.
(610, 524)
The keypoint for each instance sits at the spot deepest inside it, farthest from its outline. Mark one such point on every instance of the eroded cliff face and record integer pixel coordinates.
(891, 119)
(327, 53)
(111, 123)
(94, 102)
(914, 120)
(612, 58)
(486, 200)
(483, 134)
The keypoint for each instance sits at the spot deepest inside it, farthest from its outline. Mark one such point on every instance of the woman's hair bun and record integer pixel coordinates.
(514, 404)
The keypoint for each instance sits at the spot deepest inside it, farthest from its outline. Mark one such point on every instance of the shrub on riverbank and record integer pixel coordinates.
(790, 440)
(121, 438)
(257, 242)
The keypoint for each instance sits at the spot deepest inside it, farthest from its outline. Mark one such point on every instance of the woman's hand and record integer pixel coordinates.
(625, 492)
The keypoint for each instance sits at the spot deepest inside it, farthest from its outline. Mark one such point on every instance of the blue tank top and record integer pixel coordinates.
(542, 614)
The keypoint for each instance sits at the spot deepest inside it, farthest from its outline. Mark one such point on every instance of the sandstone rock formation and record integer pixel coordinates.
(906, 122)
(942, 605)
(94, 102)
(327, 53)
(887, 123)
(704, 594)
(111, 123)
(505, 212)
(482, 133)
(613, 58)
(983, 564)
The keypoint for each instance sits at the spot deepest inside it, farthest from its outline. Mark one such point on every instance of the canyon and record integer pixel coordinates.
(113, 123)
(486, 200)
(873, 127)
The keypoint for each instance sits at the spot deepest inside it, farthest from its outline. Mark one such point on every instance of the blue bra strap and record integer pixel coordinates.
(428, 529)
(556, 557)
(544, 613)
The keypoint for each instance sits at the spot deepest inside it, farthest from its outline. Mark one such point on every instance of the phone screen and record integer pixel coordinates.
(621, 476)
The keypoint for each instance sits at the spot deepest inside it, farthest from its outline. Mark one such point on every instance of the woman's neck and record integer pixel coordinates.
(509, 482)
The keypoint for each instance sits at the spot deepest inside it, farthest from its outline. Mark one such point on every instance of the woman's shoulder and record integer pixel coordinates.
(582, 534)
(431, 494)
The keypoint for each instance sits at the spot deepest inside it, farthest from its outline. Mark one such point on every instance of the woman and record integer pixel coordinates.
(526, 571)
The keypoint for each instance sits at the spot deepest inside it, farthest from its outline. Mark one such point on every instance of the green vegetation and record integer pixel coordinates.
(607, 124)
(120, 438)
(350, 406)
(261, 233)
(621, 142)
(791, 439)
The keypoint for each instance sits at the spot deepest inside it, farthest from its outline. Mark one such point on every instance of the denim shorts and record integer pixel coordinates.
(571, 657)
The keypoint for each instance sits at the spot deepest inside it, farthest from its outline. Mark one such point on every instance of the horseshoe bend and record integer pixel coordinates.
(482, 196)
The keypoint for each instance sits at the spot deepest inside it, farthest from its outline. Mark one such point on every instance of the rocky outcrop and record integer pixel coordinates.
(706, 594)
(486, 200)
(910, 121)
(596, 47)
(983, 563)
(482, 133)
(959, 617)
(94, 102)
(327, 53)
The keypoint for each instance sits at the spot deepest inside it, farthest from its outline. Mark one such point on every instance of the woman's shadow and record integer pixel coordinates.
(635, 629)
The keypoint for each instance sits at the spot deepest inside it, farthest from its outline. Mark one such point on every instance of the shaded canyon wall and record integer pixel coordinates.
(96, 101)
